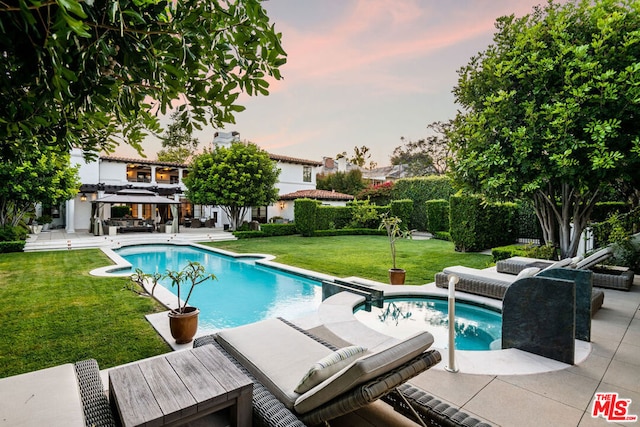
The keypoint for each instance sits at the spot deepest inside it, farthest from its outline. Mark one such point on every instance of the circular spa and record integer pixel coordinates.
(477, 328)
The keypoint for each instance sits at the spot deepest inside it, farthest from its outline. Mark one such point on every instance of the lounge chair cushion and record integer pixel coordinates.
(275, 353)
(595, 258)
(329, 365)
(363, 370)
(528, 272)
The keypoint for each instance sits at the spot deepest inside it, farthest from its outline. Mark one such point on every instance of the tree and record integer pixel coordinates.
(43, 176)
(235, 178)
(551, 111)
(359, 158)
(178, 142)
(425, 156)
(90, 74)
(343, 182)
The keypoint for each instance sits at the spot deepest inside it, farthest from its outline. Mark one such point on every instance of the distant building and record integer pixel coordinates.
(225, 138)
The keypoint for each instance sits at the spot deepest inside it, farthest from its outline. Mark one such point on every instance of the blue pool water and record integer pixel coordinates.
(244, 292)
(477, 328)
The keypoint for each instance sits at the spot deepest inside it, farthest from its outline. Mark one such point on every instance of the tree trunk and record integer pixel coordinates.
(557, 214)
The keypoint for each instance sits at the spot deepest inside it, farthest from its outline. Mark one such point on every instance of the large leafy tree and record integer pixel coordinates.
(361, 155)
(425, 156)
(42, 176)
(343, 182)
(235, 178)
(551, 111)
(94, 73)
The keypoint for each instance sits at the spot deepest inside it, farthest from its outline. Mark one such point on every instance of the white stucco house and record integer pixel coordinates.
(110, 174)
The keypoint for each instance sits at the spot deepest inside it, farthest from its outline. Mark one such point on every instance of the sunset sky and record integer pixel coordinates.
(364, 72)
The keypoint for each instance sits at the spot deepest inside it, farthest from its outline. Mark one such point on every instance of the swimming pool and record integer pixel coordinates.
(244, 292)
(477, 328)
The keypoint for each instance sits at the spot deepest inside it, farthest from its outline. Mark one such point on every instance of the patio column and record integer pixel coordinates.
(70, 216)
(153, 174)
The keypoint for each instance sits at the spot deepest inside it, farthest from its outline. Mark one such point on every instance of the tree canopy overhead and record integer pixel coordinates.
(236, 178)
(551, 111)
(94, 73)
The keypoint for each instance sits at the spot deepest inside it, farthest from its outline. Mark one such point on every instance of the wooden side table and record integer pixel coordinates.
(180, 387)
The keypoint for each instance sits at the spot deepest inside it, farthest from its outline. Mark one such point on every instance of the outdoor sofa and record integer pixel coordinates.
(603, 277)
(126, 225)
(278, 357)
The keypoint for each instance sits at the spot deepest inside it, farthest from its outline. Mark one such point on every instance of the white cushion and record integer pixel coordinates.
(527, 272)
(329, 365)
(595, 258)
(562, 263)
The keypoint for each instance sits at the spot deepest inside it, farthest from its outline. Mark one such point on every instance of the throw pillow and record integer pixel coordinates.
(329, 365)
(527, 272)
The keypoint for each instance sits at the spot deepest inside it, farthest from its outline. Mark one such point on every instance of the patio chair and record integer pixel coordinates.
(273, 353)
(612, 277)
(278, 356)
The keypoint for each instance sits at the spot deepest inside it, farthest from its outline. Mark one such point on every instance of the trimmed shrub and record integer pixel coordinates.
(603, 210)
(278, 229)
(529, 251)
(442, 235)
(477, 225)
(437, 215)
(403, 209)
(12, 246)
(420, 190)
(305, 215)
(249, 234)
(10, 233)
(364, 215)
(330, 217)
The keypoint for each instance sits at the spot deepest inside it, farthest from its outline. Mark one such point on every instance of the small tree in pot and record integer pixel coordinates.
(183, 320)
(394, 232)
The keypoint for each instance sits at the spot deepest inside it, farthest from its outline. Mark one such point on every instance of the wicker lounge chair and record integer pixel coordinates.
(492, 284)
(610, 277)
(276, 404)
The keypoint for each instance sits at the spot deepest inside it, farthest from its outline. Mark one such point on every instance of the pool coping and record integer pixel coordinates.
(336, 314)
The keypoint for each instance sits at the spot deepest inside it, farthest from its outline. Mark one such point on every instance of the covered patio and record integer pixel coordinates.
(134, 197)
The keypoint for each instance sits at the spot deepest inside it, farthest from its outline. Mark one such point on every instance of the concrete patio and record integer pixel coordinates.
(559, 397)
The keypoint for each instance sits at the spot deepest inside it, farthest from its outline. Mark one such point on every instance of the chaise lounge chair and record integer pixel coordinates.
(492, 284)
(612, 278)
(277, 355)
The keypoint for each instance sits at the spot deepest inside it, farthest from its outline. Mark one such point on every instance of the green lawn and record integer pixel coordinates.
(364, 256)
(54, 312)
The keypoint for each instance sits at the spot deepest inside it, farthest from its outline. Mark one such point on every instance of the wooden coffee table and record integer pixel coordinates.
(179, 387)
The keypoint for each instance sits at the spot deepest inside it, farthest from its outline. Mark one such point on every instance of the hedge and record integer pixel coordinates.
(305, 216)
(278, 229)
(12, 246)
(420, 190)
(437, 215)
(477, 225)
(403, 209)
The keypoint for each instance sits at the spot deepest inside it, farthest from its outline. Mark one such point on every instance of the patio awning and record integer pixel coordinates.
(136, 196)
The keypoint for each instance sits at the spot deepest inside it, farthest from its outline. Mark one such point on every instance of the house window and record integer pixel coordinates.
(306, 174)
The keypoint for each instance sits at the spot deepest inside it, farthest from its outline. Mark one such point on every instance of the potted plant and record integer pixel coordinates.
(392, 226)
(183, 320)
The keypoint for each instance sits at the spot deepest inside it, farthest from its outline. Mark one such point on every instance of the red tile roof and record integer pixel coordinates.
(316, 194)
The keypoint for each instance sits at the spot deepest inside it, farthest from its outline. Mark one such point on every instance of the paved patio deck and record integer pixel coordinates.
(558, 398)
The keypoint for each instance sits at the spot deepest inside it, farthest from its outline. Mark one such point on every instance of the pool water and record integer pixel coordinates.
(477, 328)
(244, 292)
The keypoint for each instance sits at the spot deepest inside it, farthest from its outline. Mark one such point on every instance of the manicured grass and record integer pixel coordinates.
(54, 312)
(363, 256)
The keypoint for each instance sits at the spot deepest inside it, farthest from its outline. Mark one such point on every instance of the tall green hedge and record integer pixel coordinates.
(304, 211)
(403, 209)
(420, 190)
(437, 215)
(332, 217)
(477, 225)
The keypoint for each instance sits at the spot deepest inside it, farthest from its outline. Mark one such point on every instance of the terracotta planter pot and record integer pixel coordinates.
(184, 325)
(396, 276)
